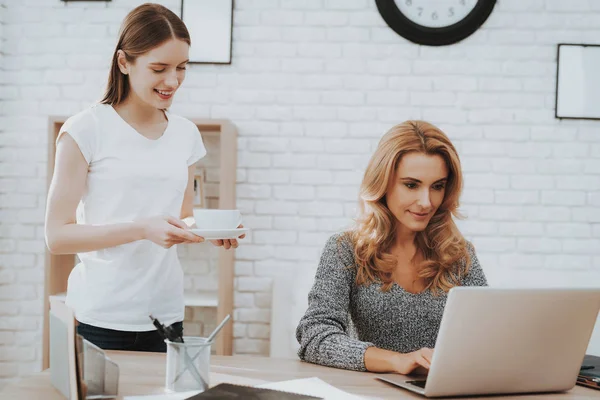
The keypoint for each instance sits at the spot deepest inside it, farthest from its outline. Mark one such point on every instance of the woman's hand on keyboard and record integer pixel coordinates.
(409, 362)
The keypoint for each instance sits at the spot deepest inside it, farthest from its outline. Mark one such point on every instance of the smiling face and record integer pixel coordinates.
(155, 76)
(416, 190)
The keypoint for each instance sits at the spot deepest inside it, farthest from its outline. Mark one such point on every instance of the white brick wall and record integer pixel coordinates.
(312, 86)
(2, 23)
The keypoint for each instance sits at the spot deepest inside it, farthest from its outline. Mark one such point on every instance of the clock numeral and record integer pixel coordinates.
(409, 3)
(420, 10)
(462, 2)
(434, 16)
(451, 12)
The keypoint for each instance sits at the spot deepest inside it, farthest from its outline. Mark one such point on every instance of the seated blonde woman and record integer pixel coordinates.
(390, 275)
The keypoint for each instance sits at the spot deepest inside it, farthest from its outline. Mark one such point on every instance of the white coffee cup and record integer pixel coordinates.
(217, 219)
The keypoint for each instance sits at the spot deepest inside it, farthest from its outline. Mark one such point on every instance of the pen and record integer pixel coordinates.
(167, 332)
(218, 328)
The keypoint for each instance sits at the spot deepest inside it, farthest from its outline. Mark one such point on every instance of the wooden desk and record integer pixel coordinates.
(144, 373)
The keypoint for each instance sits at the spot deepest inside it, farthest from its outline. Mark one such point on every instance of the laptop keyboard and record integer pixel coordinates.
(420, 383)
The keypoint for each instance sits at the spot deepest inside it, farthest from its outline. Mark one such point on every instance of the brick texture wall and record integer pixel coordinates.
(312, 87)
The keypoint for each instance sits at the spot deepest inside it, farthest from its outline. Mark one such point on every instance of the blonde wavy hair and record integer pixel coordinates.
(442, 246)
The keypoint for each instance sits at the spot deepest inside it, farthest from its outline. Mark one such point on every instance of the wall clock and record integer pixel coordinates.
(435, 22)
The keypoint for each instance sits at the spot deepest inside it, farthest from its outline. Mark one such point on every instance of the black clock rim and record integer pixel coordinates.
(434, 36)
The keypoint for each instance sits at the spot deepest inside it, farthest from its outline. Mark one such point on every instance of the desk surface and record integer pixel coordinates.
(144, 373)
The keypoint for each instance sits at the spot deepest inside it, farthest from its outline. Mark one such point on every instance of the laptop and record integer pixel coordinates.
(501, 341)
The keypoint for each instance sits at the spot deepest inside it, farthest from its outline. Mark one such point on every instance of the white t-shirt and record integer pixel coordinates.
(130, 177)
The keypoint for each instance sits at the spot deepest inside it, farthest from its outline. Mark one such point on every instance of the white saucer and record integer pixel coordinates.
(214, 234)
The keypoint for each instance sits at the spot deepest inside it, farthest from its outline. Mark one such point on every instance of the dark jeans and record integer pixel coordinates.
(109, 339)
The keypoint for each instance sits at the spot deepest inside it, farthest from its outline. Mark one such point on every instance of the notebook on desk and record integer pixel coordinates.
(230, 391)
(227, 391)
(501, 341)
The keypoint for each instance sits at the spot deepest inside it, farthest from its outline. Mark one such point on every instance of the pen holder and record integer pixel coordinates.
(188, 364)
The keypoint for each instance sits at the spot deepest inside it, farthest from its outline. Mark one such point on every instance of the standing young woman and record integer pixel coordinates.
(122, 186)
(390, 275)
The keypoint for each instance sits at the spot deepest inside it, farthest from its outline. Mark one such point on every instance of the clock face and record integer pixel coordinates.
(435, 13)
(435, 22)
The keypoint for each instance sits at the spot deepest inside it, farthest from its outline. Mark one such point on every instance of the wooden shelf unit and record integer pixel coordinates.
(58, 267)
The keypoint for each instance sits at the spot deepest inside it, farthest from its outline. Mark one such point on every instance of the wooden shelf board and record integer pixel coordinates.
(202, 299)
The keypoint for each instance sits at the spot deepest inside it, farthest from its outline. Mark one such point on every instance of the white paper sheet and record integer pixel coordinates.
(312, 387)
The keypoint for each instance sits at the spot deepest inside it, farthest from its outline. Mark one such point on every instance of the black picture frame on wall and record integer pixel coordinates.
(210, 23)
(577, 94)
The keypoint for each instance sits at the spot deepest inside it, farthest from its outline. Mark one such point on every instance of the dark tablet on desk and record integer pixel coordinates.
(589, 375)
(229, 391)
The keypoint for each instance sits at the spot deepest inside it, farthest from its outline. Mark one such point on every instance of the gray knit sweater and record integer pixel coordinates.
(344, 319)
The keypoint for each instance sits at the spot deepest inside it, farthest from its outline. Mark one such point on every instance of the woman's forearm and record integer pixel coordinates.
(79, 238)
(380, 360)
